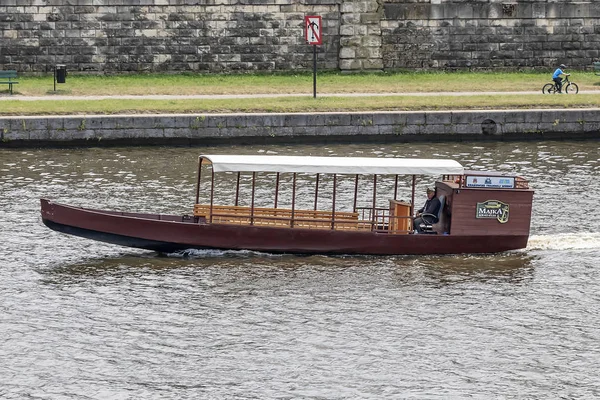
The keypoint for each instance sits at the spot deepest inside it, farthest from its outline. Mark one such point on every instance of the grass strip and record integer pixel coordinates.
(294, 83)
(295, 104)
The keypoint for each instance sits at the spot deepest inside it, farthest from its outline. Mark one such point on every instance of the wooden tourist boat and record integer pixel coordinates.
(482, 212)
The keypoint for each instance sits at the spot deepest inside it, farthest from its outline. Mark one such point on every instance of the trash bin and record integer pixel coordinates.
(61, 73)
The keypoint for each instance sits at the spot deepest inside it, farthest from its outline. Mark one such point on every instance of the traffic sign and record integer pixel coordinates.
(312, 28)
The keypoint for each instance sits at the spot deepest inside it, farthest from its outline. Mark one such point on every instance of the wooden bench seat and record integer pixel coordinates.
(277, 217)
(6, 78)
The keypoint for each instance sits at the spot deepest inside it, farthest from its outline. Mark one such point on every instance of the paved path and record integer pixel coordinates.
(244, 96)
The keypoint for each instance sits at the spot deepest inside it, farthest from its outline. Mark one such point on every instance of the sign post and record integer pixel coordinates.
(312, 31)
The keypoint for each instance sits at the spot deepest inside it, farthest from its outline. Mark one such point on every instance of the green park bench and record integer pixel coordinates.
(597, 68)
(6, 78)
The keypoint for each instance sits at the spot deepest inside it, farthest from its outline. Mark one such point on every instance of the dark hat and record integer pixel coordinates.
(562, 66)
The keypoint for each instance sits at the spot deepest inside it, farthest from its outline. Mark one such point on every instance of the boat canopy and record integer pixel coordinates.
(333, 165)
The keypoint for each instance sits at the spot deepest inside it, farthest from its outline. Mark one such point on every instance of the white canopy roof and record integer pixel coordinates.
(334, 165)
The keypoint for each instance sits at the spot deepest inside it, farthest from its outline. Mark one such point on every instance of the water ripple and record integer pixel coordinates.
(86, 320)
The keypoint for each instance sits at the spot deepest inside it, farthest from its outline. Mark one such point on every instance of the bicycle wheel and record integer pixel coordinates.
(549, 88)
(572, 88)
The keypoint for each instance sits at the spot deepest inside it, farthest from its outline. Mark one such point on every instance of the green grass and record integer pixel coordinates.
(288, 83)
(298, 104)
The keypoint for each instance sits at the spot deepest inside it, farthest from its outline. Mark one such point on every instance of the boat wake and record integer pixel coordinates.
(565, 241)
(210, 253)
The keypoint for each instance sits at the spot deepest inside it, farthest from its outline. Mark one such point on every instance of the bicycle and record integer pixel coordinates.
(568, 86)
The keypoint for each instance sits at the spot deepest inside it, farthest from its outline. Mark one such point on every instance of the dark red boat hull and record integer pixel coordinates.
(170, 233)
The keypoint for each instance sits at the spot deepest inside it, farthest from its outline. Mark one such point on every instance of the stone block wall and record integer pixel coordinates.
(494, 34)
(361, 35)
(164, 35)
(268, 35)
(409, 126)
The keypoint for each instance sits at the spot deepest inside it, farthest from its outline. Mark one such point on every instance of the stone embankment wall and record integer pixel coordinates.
(313, 127)
(164, 35)
(113, 36)
(490, 34)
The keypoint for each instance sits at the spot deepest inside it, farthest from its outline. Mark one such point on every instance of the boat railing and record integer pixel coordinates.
(277, 217)
(362, 219)
(381, 220)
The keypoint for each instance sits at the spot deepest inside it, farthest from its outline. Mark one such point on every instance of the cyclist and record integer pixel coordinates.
(556, 76)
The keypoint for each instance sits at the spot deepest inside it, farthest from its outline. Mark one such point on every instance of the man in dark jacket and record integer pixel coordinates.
(432, 206)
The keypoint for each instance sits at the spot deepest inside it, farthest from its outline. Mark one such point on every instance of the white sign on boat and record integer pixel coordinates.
(490, 182)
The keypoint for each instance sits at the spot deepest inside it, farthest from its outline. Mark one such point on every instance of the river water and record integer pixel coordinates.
(86, 320)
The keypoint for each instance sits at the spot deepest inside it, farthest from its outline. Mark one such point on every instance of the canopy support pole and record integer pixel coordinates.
(355, 191)
(316, 191)
(237, 190)
(374, 202)
(412, 198)
(252, 204)
(293, 199)
(198, 182)
(333, 202)
(276, 190)
(212, 194)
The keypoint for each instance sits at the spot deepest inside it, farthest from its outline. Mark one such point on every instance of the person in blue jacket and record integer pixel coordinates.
(556, 76)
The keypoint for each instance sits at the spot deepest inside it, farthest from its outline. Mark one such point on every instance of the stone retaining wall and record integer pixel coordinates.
(313, 127)
(506, 34)
(164, 35)
(114, 36)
